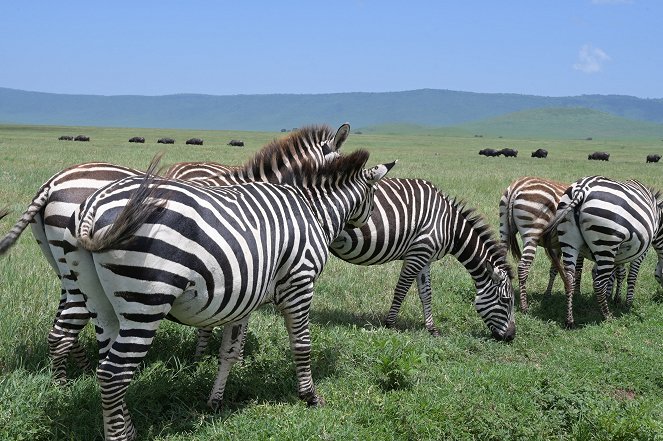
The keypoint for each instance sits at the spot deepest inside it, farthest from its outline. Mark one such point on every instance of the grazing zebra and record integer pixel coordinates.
(146, 248)
(57, 199)
(609, 222)
(526, 207)
(413, 222)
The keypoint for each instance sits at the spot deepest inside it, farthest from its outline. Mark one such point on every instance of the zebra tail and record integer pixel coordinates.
(511, 240)
(134, 214)
(35, 207)
(550, 231)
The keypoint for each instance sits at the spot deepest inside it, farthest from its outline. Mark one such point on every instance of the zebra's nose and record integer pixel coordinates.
(508, 335)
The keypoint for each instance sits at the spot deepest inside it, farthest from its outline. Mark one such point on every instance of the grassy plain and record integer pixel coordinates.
(602, 381)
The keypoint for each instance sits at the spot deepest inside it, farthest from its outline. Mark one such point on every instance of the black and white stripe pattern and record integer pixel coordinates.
(208, 256)
(56, 200)
(609, 222)
(413, 222)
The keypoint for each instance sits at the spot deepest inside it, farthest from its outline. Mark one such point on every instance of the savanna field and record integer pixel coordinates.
(600, 381)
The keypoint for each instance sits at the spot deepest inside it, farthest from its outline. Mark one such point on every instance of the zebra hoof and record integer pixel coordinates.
(313, 399)
(570, 325)
(434, 332)
(214, 404)
(389, 324)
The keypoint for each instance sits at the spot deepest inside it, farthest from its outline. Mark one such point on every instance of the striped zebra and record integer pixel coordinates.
(526, 207)
(57, 199)
(414, 222)
(143, 249)
(611, 223)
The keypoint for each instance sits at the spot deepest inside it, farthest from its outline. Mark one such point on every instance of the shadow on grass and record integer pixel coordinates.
(327, 316)
(586, 310)
(168, 395)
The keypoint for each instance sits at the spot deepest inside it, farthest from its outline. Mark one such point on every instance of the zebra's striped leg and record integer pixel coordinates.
(296, 318)
(551, 279)
(570, 261)
(63, 338)
(633, 271)
(204, 336)
(230, 352)
(425, 294)
(603, 273)
(615, 281)
(578, 275)
(524, 265)
(409, 271)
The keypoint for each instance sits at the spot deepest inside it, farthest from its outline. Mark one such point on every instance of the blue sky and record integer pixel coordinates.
(539, 47)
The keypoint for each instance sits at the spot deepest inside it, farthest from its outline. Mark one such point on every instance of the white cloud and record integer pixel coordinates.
(590, 59)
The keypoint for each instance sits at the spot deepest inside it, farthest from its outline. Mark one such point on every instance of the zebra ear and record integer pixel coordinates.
(378, 172)
(341, 136)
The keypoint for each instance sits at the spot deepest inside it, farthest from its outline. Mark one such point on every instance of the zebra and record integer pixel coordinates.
(146, 248)
(611, 223)
(57, 199)
(414, 222)
(526, 207)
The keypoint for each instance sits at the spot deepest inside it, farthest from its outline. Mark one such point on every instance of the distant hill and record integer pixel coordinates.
(426, 107)
(571, 123)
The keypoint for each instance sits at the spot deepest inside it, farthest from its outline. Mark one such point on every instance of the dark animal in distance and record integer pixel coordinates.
(540, 153)
(509, 153)
(194, 141)
(139, 139)
(82, 138)
(236, 143)
(653, 158)
(599, 156)
(489, 152)
(165, 141)
(66, 138)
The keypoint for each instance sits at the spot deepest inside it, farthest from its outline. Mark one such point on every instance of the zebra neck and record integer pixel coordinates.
(331, 217)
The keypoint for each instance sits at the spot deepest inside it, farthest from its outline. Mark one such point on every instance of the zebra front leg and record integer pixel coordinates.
(615, 281)
(409, 271)
(296, 316)
(552, 273)
(425, 295)
(580, 261)
(230, 352)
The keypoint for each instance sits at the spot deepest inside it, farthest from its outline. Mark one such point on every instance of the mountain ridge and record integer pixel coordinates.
(273, 112)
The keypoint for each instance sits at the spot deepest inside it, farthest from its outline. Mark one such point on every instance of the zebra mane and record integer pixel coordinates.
(496, 250)
(280, 148)
(309, 172)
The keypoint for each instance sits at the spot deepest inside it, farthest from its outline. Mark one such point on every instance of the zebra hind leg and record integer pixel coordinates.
(603, 273)
(634, 269)
(524, 265)
(230, 352)
(63, 339)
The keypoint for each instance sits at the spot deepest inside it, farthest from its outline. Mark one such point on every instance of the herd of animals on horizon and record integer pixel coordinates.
(311, 201)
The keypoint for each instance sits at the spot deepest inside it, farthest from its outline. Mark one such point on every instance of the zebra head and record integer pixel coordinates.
(495, 303)
(371, 177)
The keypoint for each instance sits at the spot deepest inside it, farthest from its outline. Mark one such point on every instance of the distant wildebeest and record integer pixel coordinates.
(653, 158)
(540, 153)
(166, 141)
(66, 138)
(509, 153)
(489, 152)
(82, 138)
(139, 139)
(236, 143)
(599, 156)
(195, 141)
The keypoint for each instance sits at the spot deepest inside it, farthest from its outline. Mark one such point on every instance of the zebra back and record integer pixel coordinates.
(526, 207)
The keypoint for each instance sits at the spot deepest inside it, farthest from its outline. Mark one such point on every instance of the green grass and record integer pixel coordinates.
(602, 381)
